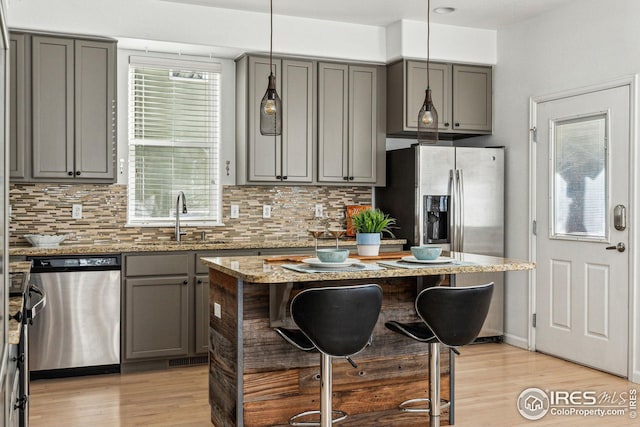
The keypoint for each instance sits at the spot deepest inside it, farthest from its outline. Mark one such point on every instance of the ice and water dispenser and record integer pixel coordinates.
(436, 219)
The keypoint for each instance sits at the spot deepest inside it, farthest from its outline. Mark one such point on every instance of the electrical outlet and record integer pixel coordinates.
(266, 211)
(217, 310)
(319, 210)
(76, 211)
(235, 211)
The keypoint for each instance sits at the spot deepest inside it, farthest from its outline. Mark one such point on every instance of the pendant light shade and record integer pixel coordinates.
(428, 116)
(427, 121)
(271, 110)
(271, 105)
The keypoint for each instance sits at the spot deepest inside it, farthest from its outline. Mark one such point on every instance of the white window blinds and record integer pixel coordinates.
(174, 140)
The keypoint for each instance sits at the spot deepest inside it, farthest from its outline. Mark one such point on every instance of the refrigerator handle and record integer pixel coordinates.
(460, 211)
(453, 221)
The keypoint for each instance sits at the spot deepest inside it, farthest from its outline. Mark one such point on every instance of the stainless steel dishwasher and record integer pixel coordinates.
(78, 332)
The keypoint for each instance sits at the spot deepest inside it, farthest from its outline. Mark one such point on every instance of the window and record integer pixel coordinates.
(580, 176)
(174, 141)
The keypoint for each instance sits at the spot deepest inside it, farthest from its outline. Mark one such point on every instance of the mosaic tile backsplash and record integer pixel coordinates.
(46, 209)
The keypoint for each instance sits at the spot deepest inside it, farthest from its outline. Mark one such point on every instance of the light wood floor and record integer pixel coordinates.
(489, 379)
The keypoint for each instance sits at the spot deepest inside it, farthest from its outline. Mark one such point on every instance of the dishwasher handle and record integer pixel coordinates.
(32, 312)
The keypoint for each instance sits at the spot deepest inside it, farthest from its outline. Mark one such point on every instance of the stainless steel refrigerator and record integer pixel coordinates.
(453, 197)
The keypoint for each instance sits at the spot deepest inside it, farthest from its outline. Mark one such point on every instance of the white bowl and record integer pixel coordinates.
(44, 240)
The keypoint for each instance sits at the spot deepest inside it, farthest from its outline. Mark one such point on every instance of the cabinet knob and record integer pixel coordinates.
(70, 173)
(278, 176)
(185, 282)
(78, 173)
(457, 125)
(350, 178)
(346, 178)
(285, 177)
(446, 124)
(199, 281)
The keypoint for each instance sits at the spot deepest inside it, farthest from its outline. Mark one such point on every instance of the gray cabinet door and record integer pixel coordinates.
(17, 107)
(264, 152)
(95, 105)
(440, 84)
(472, 98)
(347, 124)
(362, 124)
(157, 317)
(298, 120)
(333, 122)
(52, 107)
(201, 328)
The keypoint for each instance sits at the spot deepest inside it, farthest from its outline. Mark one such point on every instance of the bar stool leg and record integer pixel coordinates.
(434, 384)
(326, 414)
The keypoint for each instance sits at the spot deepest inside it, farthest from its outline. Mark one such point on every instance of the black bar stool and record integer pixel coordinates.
(337, 322)
(450, 316)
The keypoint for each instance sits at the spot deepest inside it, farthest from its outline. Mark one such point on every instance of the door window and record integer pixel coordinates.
(579, 177)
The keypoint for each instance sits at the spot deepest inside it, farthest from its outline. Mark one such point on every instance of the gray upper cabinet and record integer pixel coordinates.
(287, 157)
(18, 72)
(349, 124)
(472, 89)
(440, 84)
(70, 122)
(462, 95)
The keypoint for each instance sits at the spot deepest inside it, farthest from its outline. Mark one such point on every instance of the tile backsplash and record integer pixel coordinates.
(46, 209)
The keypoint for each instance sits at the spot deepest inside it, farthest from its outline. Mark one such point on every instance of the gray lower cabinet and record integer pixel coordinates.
(166, 304)
(462, 95)
(350, 126)
(63, 109)
(11, 392)
(287, 158)
(157, 310)
(201, 326)
(157, 307)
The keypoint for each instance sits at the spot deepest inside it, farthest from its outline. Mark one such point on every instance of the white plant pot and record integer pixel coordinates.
(368, 250)
(368, 244)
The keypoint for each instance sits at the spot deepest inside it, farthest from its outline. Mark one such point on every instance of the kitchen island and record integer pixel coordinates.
(257, 379)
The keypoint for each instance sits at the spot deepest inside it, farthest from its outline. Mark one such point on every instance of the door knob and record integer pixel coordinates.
(620, 247)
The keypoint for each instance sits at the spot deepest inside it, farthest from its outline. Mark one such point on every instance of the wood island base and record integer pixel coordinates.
(257, 379)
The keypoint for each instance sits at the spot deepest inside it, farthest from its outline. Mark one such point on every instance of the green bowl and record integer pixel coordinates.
(426, 253)
(332, 255)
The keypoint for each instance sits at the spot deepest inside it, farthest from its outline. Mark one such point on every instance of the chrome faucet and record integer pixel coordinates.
(184, 211)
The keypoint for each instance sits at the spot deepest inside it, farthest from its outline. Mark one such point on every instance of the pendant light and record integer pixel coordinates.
(271, 105)
(428, 116)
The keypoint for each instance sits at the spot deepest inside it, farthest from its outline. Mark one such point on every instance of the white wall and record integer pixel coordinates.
(227, 33)
(582, 43)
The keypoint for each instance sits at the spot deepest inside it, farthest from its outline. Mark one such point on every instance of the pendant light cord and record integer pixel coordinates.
(428, 37)
(270, 36)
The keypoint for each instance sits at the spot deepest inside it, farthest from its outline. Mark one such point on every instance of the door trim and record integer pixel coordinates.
(633, 368)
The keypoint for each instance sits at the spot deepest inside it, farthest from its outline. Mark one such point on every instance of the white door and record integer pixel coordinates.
(582, 193)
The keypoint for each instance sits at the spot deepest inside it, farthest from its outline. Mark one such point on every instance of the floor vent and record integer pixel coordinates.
(188, 361)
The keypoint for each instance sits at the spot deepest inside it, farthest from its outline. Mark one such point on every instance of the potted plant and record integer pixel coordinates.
(369, 226)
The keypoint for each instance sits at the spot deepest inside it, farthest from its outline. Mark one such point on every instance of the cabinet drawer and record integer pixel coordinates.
(156, 265)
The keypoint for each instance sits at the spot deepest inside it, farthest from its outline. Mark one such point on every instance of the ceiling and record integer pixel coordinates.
(488, 14)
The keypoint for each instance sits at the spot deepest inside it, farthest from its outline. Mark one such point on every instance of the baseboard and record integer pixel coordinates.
(516, 341)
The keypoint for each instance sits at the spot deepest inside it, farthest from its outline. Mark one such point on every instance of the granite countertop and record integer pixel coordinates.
(257, 269)
(189, 245)
(16, 303)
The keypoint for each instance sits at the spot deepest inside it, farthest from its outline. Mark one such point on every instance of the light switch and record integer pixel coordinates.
(217, 310)
(266, 211)
(319, 210)
(235, 211)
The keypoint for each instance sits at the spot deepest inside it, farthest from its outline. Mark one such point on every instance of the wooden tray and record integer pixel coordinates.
(299, 258)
